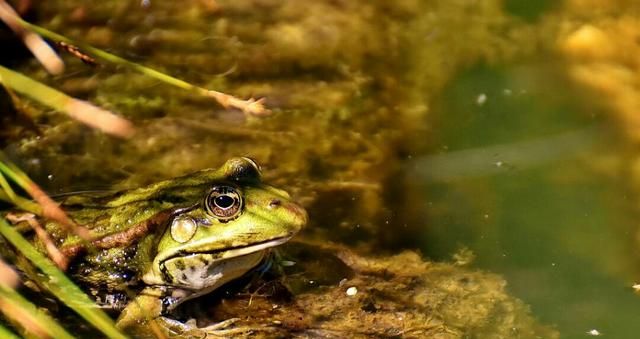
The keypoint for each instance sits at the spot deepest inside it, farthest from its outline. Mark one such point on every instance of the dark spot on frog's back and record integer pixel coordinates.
(180, 265)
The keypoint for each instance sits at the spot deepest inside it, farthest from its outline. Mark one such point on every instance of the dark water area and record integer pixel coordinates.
(509, 176)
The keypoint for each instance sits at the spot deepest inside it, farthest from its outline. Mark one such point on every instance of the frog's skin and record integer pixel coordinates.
(174, 240)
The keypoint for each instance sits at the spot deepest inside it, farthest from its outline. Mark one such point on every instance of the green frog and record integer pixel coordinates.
(155, 247)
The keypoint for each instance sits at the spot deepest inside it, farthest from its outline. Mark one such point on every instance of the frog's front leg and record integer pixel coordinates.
(147, 307)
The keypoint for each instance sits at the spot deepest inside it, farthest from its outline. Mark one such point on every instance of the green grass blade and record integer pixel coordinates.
(60, 285)
(4, 184)
(80, 110)
(22, 203)
(46, 324)
(6, 192)
(5, 333)
(47, 207)
(111, 57)
(16, 175)
(248, 106)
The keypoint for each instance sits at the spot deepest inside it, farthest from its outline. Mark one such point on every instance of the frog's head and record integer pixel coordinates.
(227, 232)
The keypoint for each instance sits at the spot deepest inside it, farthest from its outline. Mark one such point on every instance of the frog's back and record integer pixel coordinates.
(124, 226)
(109, 214)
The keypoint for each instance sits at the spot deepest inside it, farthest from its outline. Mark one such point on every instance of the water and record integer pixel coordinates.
(514, 177)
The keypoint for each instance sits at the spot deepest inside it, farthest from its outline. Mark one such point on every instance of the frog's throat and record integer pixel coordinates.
(156, 275)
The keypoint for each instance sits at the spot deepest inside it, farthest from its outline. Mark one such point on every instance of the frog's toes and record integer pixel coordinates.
(223, 329)
(220, 325)
(191, 323)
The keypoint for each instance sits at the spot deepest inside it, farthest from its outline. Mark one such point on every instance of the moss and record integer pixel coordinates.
(396, 296)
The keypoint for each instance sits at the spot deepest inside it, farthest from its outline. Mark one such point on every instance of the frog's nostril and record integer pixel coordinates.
(274, 203)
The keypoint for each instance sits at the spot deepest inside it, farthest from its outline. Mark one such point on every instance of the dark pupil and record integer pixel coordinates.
(223, 201)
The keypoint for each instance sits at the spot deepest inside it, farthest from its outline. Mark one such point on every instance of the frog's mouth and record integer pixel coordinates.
(232, 251)
(209, 269)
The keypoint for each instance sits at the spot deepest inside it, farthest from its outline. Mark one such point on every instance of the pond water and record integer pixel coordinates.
(443, 127)
(510, 175)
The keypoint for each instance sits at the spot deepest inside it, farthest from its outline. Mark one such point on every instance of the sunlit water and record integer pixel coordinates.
(511, 174)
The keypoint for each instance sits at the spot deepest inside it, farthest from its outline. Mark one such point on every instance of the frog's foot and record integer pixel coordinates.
(223, 329)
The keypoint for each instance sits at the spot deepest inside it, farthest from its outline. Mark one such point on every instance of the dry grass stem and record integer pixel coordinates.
(24, 318)
(250, 106)
(76, 52)
(77, 109)
(54, 253)
(99, 118)
(8, 276)
(51, 210)
(40, 49)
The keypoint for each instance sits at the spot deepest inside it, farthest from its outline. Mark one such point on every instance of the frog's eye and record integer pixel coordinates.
(242, 170)
(224, 202)
(255, 166)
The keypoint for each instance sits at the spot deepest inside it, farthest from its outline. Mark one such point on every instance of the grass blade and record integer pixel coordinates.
(5, 333)
(33, 320)
(22, 203)
(60, 285)
(20, 311)
(47, 207)
(38, 47)
(251, 105)
(81, 110)
(4, 184)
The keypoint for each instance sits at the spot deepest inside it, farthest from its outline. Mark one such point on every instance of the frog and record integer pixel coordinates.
(155, 247)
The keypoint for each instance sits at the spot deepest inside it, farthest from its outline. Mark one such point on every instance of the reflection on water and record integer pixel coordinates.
(514, 179)
(457, 165)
